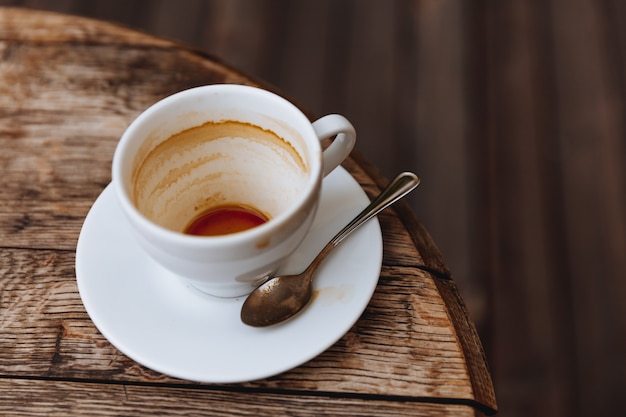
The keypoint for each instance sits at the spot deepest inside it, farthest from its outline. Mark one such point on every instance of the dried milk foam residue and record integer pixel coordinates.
(217, 163)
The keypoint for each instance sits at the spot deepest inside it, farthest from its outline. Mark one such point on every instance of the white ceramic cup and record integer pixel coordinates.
(219, 145)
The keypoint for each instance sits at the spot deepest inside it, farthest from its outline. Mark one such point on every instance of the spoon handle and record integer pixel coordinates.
(403, 184)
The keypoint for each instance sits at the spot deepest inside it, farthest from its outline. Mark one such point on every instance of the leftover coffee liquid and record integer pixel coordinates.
(225, 220)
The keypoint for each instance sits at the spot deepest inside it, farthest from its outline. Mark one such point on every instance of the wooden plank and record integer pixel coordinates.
(403, 345)
(554, 217)
(366, 54)
(591, 135)
(521, 214)
(441, 134)
(241, 33)
(60, 398)
(41, 32)
(301, 52)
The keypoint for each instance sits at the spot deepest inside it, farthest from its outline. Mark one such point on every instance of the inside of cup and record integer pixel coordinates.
(215, 164)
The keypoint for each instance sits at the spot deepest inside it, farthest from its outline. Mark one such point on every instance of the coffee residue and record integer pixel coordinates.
(186, 173)
(192, 137)
(225, 220)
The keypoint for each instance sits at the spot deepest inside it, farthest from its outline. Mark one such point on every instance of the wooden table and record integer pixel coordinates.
(68, 89)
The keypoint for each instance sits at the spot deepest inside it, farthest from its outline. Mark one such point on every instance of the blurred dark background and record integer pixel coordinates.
(513, 112)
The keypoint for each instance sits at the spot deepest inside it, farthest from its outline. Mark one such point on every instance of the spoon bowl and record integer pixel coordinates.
(282, 297)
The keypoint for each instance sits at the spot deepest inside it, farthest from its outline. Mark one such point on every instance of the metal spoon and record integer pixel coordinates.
(280, 298)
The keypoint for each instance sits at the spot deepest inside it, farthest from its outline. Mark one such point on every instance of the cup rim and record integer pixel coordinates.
(257, 233)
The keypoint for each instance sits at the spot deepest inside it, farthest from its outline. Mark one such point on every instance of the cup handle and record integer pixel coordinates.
(331, 125)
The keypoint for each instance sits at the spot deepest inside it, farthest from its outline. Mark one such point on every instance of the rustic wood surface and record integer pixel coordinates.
(68, 89)
(514, 115)
(64, 398)
(554, 122)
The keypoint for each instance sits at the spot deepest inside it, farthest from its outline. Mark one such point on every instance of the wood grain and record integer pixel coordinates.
(512, 112)
(61, 398)
(69, 88)
(554, 221)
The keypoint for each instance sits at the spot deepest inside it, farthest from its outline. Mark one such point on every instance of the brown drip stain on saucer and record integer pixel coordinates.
(342, 293)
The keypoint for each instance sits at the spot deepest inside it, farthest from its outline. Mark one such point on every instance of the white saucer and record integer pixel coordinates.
(160, 322)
